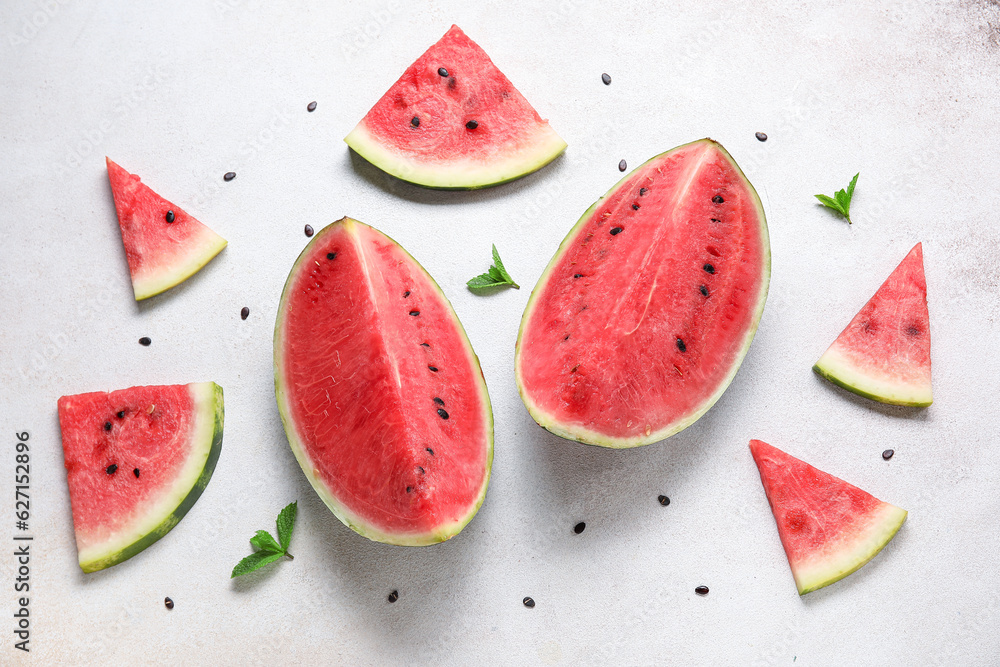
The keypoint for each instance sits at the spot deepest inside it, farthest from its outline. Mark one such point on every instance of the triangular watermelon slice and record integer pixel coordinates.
(164, 245)
(829, 528)
(453, 121)
(885, 352)
(136, 459)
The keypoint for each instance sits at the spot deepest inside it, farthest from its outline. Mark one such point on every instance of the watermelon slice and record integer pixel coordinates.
(644, 314)
(829, 528)
(453, 121)
(136, 461)
(163, 250)
(885, 352)
(381, 395)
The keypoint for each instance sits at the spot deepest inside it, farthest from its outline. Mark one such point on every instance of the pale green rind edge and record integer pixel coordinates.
(835, 368)
(446, 531)
(189, 485)
(460, 176)
(881, 534)
(168, 277)
(591, 437)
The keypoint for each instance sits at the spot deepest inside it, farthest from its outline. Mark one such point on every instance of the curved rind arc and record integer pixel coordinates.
(838, 370)
(590, 437)
(339, 510)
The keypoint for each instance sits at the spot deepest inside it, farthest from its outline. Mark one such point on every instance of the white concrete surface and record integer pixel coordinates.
(906, 92)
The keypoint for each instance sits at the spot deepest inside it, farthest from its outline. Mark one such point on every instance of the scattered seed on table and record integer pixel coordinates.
(311, 107)
(230, 175)
(606, 78)
(701, 590)
(309, 230)
(145, 340)
(887, 454)
(760, 136)
(664, 500)
(622, 166)
(168, 603)
(244, 313)
(393, 596)
(579, 528)
(528, 602)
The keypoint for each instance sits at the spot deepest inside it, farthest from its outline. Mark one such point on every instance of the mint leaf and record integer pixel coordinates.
(286, 522)
(497, 276)
(268, 549)
(841, 201)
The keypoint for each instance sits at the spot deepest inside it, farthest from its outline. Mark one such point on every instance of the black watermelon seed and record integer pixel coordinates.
(107, 426)
(616, 231)
(664, 500)
(566, 337)
(701, 590)
(442, 413)
(703, 290)
(421, 469)
(406, 294)
(170, 216)
(393, 596)
(912, 331)
(121, 415)
(606, 78)
(709, 268)
(433, 369)
(331, 255)
(309, 230)
(311, 107)
(136, 473)
(409, 489)
(887, 454)
(643, 191)
(429, 451)
(528, 602)
(579, 528)
(415, 122)
(578, 275)
(111, 469)
(717, 199)
(145, 340)
(635, 207)
(415, 313)
(168, 603)
(715, 220)
(244, 313)
(426, 344)
(681, 346)
(472, 125)
(622, 166)
(438, 401)
(230, 175)
(442, 71)
(760, 136)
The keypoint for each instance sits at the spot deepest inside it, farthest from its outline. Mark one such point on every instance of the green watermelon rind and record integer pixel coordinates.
(172, 275)
(349, 519)
(590, 437)
(455, 176)
(188, 486)
(839, 370)
(880, 532)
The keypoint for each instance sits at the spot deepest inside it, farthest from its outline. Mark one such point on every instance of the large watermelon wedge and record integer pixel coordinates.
(136, 461)
(885, 352)
(453, 121)
(164, 245)
(829, 528)
(642, 318)
(382, 397)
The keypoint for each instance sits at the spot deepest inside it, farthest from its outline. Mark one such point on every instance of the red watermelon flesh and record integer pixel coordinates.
(642, 317)
(885, 352)
(420, 131)
(160, 254)
(382, 397)
(136, 461)
(829, 528)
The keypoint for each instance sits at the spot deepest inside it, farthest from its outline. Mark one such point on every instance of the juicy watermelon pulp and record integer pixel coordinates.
(136, 461)
(829, 528)
(885, 352)
(642, 318)
(381, 395)
(160, 254)
(419, 131)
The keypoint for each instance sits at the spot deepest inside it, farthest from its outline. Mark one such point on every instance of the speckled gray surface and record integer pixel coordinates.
(905, 92)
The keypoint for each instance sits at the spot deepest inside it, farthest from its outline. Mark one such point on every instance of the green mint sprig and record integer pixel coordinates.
(497, 276)
(267, 549)
(841, 200)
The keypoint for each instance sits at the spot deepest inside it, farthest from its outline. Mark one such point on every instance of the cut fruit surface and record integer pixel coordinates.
(164, 245)
(644, 314)
(454, 121)
(885, 352)
(381, 395)
(136, 460)
(829, 528)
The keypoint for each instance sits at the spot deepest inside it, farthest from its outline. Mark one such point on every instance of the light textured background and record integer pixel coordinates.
(905, 92)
